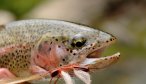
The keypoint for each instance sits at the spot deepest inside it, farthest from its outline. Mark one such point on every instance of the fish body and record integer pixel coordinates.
(47, 44)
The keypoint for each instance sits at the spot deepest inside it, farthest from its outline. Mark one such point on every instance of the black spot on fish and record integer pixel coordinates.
(63, 42)
(74, 53)
(111, 39)
(70, 51)
(53, 37)
(63, 59)
(91, 44)
(98, 41)
(67, 49)
(56, 39)
(49, 49)
(50, 43)
(59, 46)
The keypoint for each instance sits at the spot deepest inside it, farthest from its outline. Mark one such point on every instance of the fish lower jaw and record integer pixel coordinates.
(102, 62)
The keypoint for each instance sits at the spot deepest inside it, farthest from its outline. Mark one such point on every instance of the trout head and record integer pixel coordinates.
(72, 44)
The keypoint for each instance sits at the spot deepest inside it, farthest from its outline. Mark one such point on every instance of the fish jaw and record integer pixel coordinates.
(94, 60)
(102, 62)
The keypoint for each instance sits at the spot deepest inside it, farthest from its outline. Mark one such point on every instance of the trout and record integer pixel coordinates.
(55, 47)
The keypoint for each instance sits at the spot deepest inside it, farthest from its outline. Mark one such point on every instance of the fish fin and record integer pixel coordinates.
(67, 78)
(82, 75)
(99, 63)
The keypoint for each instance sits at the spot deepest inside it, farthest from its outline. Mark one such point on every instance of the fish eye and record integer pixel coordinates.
(78, 41)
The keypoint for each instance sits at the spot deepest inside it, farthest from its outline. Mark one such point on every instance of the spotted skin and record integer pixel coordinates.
(47, 44)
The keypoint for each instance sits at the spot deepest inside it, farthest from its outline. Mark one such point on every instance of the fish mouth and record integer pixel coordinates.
(98, 52)
(94, 60)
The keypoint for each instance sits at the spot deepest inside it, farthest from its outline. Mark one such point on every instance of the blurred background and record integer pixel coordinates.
(125, 19)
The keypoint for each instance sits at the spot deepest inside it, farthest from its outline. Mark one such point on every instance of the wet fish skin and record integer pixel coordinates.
(47, 44)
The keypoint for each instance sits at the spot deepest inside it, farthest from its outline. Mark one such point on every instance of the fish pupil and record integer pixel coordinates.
(78, 41)
(79, 44)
